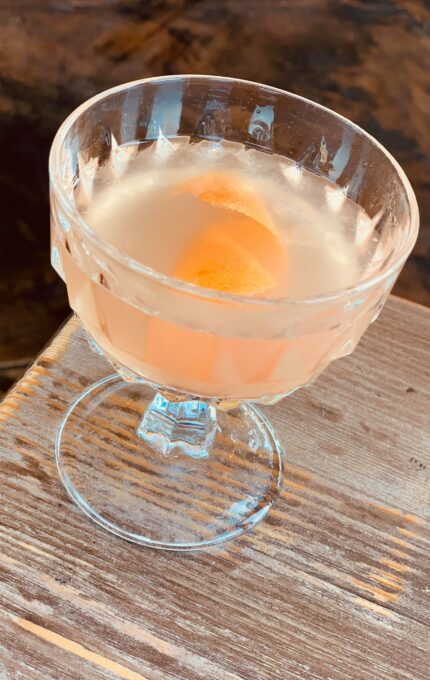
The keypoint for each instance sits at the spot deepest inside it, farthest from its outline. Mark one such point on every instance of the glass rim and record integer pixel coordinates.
(210, 293)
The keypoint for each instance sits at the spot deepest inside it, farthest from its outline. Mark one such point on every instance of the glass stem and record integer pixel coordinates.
(190, 426)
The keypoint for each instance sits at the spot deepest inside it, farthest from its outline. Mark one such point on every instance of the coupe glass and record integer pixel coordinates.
(170, 451)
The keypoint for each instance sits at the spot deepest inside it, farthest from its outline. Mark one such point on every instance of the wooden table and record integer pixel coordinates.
(335, 584)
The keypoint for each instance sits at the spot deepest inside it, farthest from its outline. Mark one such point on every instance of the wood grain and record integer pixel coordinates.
(335, 584)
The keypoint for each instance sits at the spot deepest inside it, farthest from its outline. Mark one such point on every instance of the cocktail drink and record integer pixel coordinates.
(235, 221)
(222, 243)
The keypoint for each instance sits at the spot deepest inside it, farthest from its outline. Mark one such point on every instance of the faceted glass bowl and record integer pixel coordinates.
(174, 455)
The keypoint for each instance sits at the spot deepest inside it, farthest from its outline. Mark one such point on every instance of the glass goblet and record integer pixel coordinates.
(170, 451)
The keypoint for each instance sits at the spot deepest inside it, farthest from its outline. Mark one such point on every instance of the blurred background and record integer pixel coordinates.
(368, 60)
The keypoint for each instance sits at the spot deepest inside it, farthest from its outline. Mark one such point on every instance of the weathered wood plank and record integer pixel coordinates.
(334, 584)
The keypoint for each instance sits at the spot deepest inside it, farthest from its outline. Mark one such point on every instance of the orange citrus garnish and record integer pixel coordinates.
(227, 190)
(242, 254)
(215, 260)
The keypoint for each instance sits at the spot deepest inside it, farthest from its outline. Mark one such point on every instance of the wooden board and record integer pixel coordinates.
(335, 584)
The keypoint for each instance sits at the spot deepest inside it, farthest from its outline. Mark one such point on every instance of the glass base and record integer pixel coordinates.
(176, 501)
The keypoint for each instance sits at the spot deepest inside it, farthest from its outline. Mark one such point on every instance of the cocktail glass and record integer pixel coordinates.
(170, 451)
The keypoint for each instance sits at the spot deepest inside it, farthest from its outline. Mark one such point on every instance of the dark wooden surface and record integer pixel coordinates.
(334, 585)
(367, 59)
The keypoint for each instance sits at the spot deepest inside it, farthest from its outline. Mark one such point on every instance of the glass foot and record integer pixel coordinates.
(176, 501)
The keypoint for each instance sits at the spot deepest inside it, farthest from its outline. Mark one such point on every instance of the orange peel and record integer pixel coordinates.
(242, 254)
(216, 260)
(228, 190)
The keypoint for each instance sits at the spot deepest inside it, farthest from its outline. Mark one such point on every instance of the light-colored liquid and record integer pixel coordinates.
(228, 219)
